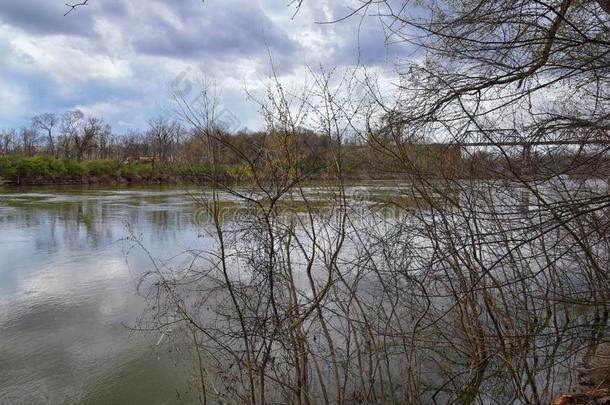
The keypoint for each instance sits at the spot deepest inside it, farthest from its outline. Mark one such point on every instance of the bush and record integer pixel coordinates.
(8, 168)
(73, 168)
(15, 167)
(238, 172)
(101, 167)
(47, 168)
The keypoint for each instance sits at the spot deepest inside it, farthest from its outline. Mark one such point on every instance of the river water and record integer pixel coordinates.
(68, 291)
(68, 296)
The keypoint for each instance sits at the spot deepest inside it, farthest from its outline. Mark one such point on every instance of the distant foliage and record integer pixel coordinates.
(45, 169)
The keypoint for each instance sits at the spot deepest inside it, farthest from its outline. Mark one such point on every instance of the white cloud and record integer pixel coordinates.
(64, 59)
(113, 111)
(12, 99)
(113, 40)
(118, 59)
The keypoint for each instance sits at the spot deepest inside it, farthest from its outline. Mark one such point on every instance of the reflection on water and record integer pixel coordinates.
(67, 290)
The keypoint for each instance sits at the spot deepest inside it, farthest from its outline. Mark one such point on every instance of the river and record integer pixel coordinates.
(68, 296)
(68, 288)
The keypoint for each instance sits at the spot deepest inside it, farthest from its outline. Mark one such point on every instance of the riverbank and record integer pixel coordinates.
(103, 180)
(47, 170)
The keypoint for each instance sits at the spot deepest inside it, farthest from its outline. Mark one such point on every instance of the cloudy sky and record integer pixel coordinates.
(118, 58)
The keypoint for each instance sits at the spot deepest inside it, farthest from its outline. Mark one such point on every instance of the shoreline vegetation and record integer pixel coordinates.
(47, 170)
(43, 169)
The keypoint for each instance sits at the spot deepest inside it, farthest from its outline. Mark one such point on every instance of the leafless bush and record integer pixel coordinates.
(480, 284)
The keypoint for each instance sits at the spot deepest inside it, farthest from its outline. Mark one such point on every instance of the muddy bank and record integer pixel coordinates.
(592, 381)
(101, 180)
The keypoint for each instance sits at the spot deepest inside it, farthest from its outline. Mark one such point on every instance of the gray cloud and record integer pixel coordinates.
(47, 17)
(129, 49)
(215, 30)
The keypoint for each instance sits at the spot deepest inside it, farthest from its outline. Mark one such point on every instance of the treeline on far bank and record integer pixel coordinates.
(74, 149)
(360, 164)
(43, 169)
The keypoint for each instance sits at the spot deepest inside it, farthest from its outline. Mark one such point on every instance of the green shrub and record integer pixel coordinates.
(51, 169)
(132, 171)
(73, 168)
(8, 168)
(101, 167)
(238, 172)
(37, 166)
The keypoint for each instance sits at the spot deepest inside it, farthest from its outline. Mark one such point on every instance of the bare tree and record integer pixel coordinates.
(84, 134)
(103, 138)
(445, 290)
(164, 135)
(46, 122)
(134, 144)
(7, 140)
(71, 126)
(95, 132)
(28, 138)
(462, 285)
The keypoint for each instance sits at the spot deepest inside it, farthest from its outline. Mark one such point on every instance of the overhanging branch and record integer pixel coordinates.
(71, 7)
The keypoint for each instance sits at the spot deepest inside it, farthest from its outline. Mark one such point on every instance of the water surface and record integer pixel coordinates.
(68, 296)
